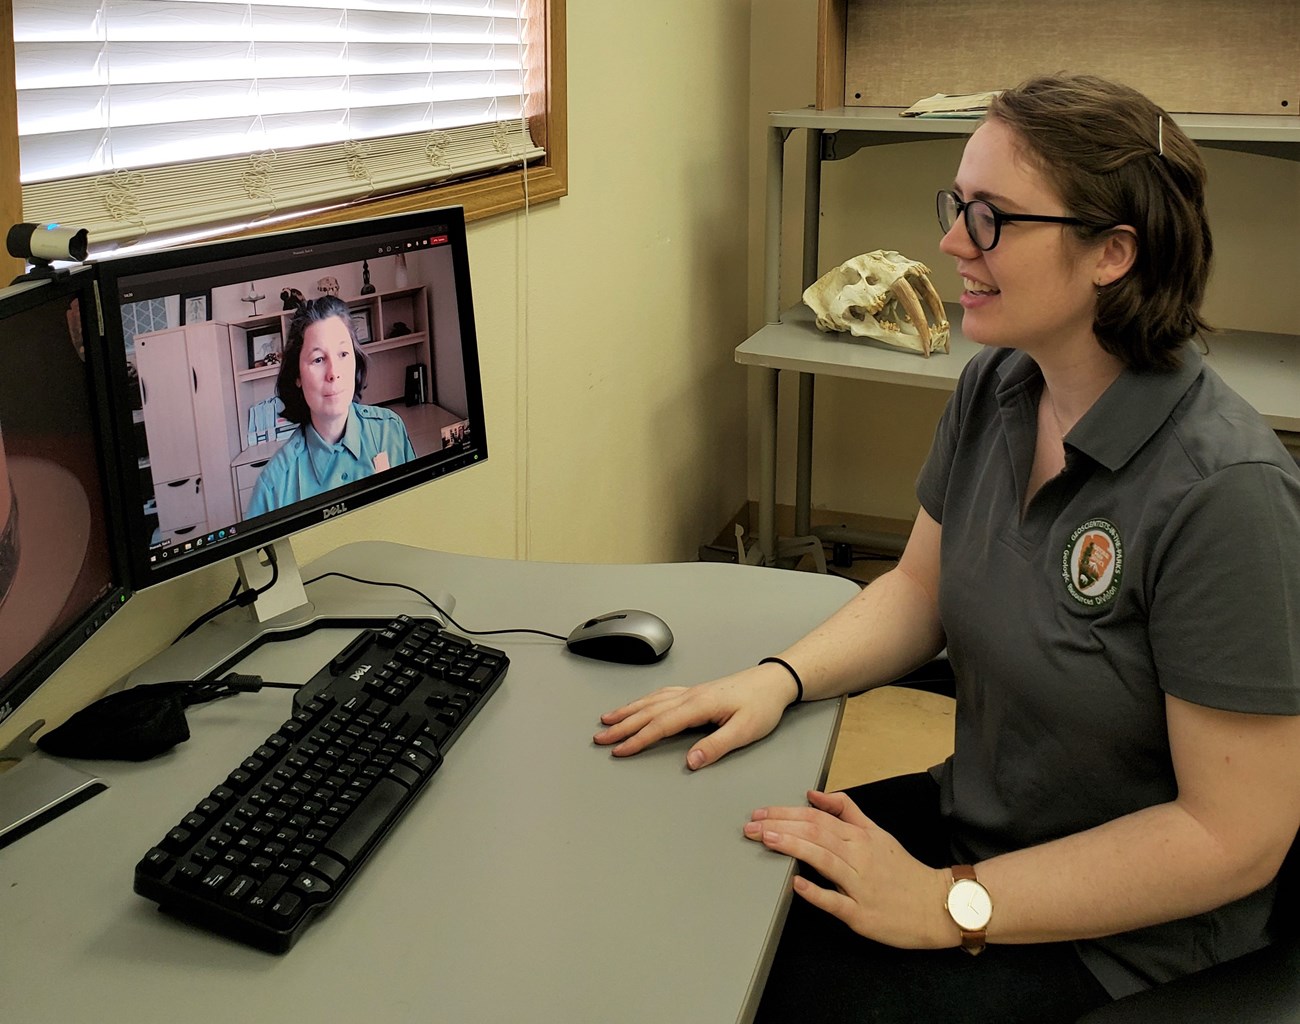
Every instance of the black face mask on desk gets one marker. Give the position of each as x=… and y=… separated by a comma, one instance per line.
x=139, y=723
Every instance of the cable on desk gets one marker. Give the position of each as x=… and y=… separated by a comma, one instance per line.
x=434, y=605
x=229, y=685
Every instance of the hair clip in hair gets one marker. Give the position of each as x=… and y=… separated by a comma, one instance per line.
x=1160, y=135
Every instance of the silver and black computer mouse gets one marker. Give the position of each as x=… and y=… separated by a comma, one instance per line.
x=627, y=636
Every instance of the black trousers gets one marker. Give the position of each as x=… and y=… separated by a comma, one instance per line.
x=824, y=971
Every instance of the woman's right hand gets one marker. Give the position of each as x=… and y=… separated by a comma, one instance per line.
x=745, y=707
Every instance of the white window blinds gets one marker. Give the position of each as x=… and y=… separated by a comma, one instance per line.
x=140, y=118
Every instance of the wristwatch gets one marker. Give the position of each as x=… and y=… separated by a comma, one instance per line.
x=970, y=907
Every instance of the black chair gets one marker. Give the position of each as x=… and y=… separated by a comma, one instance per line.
x=1259, y=988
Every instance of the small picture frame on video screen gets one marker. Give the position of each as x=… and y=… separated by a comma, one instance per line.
x=361, y=324
x=196, y=308
x=264, y=347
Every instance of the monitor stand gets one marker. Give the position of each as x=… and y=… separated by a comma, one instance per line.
x=285, y=611
x=273, y=571
x=37, y=790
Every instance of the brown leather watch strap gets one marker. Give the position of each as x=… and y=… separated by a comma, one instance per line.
x=972, y=942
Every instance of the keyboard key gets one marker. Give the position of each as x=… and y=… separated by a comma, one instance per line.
x=177, y=840
x=216, y=877
x=240, y=889
x=259, y=866
x=327, y=867
x=156, y=862
x=286, y=905
x=311, y=885
x=190, y=871
x=419, y=760
x=406, y=776
x=268, y=891
x=479, y=678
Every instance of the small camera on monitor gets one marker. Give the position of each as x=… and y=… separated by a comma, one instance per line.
x=43, y=244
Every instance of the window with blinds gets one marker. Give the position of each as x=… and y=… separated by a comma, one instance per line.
x=147, y=118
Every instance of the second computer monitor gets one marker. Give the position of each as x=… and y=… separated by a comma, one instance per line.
x=60, y=575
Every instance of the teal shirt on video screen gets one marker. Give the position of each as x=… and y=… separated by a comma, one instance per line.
x=306, y=465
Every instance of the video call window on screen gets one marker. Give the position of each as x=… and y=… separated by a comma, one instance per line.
x=273, y=377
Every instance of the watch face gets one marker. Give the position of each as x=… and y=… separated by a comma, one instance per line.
x=969, y=905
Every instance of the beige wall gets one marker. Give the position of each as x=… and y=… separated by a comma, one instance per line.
x=607, y=320
x=606, y=324
x=870, y=439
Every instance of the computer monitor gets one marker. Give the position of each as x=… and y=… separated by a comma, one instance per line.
x=60, y=573
x=239, y=398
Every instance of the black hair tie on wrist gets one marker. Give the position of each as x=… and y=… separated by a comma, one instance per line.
x=798, y=698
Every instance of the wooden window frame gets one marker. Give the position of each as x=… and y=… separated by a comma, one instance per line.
x=495, y=193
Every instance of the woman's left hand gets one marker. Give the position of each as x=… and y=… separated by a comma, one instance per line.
x=881, y=891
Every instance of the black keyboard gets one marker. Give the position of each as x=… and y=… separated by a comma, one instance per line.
x=280, y=838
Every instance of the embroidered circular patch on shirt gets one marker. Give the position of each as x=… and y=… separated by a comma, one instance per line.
x=1092, y=562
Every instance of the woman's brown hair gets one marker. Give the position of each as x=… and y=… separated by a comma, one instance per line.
x=1117, y=158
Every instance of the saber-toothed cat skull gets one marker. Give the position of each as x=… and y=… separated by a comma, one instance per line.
x=875, y=295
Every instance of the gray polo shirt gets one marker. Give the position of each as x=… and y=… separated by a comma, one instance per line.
x=1165, y=558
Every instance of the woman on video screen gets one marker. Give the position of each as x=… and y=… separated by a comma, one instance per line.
x=338, y=439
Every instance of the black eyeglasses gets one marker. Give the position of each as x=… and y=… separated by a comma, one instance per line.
x=983, y=220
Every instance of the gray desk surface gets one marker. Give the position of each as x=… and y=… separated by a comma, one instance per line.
x=536, y=879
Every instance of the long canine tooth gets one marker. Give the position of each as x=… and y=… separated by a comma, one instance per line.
x=936, y=306
x=907, y=298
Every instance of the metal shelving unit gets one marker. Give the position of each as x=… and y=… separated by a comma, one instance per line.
x=1264, y=368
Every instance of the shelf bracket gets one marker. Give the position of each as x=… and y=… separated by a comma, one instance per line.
x=839, y=144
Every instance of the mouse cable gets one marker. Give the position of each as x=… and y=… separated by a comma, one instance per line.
x=434, y=604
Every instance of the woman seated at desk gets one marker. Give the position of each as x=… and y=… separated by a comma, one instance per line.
x=338, y=439
x=1109, y=548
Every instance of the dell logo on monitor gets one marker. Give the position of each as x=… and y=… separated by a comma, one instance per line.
x=335, y=510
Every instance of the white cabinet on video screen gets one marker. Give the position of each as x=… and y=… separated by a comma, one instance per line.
x=167, y=402
x=187, y=403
